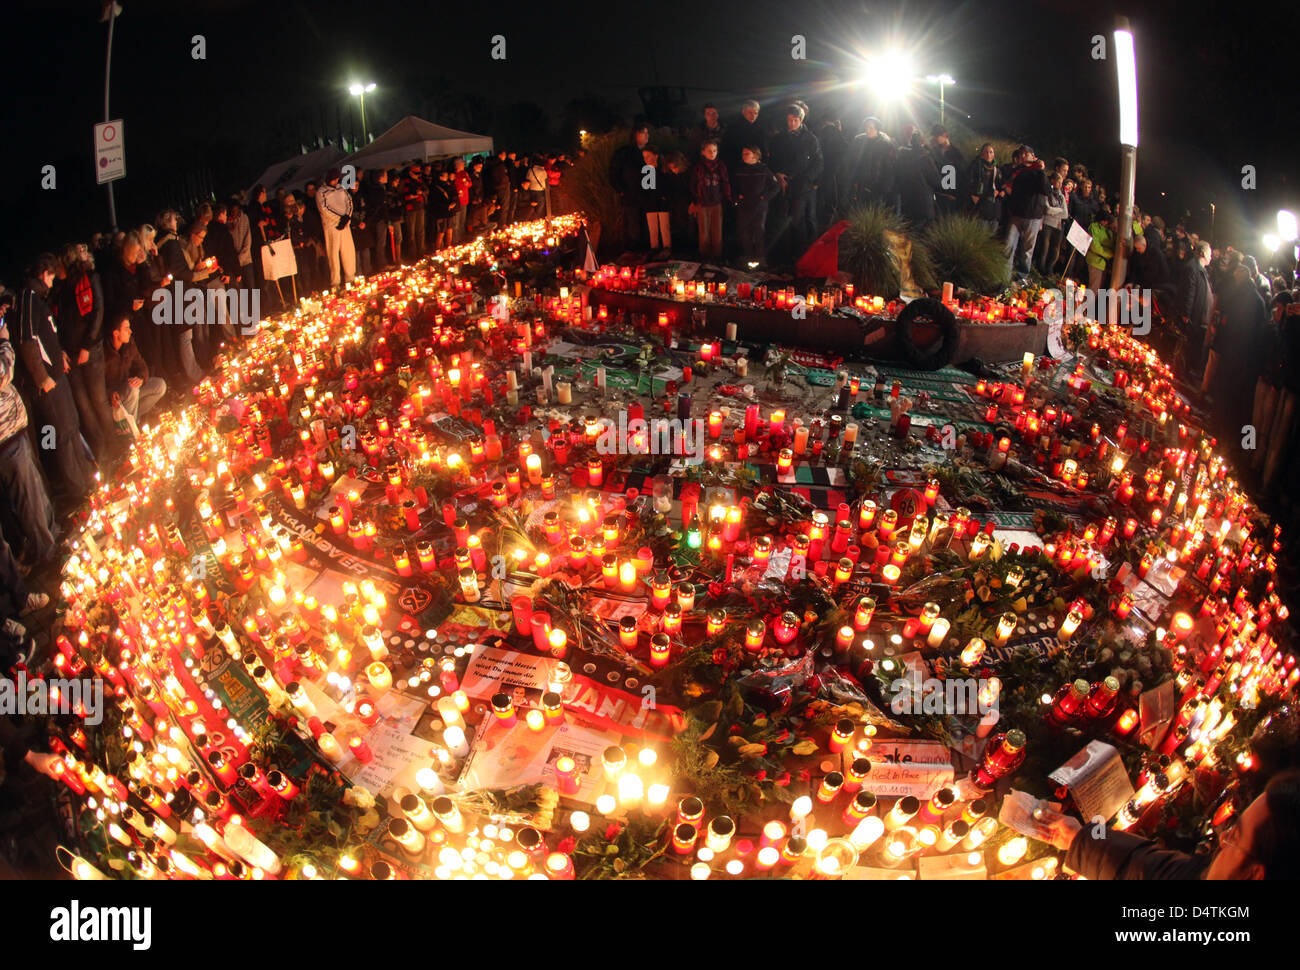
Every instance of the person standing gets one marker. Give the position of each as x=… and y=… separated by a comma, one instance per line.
x=917, y=179
x=241, y=235
x=1192, y=301
x=951, y=166
x=983, y=188
x=463, y=184
x=872, y=158
x=625, y=173
x=754, y=186
x=654, y=200
x=335, y=203
x=19, y=476
x=1102, y=250
x=1026, y=203
x=414, y=197
x=1239, y=347
x=47, y=367
x=797, y=164
x=710, y=188
x=1054, y=216
x=80, y=314
x=835, y=162
x=710, y=129
x=742, y=132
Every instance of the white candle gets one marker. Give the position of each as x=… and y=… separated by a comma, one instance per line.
x=564, y=392
x=454, y=738
x=731, y=331
x=938, y=631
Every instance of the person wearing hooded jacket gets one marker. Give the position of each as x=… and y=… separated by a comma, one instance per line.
x=335, y=204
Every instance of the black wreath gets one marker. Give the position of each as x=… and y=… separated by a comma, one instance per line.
x=930, y=311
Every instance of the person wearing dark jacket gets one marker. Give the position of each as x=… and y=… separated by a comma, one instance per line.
x=1083, y=204
x=1263, y=842
x=873, y=155
x=414, y=197
x=80, y=314
x=1192, y=300
x=983, y=188
x=625, y=171
x=1238, y=350
x=797, y=163
x=743, y=131
x=221, y=243
x=1026, y=202
x=710, y=129
x=710, y=189
x=126, y=375
x=261, y=224
x=1146, y=266
x=832, y=191
x=917, y=179
x=20, y=478
x=654, y=202
x=753, y=186
x=952, y=168
x=46, y=365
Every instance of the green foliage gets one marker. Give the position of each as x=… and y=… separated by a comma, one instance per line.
x=587, y=183
x=865, y=252
x=640, y=842
x=965, y=253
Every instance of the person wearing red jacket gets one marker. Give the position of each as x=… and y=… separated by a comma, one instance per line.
x=463, y=183
x=710, y=188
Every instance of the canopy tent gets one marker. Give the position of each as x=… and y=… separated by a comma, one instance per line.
x=296, y=172
x=414, y=139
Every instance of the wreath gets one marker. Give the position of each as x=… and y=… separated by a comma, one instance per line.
x=926, y=310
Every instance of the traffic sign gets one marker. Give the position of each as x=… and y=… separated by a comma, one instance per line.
x=110, y=151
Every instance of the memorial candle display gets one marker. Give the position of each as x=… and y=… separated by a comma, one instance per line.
x=490, y=561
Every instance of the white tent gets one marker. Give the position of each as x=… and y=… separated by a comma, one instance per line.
x=295, y=173
x=414, y=139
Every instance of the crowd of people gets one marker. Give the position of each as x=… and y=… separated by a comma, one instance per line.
x=87, y=352
x=99, y=335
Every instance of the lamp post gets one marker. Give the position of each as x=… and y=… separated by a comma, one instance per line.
x=110, y=12
x=360, y=91
x=942, y=80
x=1126, y=75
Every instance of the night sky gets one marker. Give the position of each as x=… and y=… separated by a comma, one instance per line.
x=1212, y=86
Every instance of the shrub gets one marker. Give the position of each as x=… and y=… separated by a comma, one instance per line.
x=963, y=252
x=869, y=251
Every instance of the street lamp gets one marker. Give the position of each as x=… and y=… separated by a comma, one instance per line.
x=1126, y=75
x=360, y=91
x=942, y=80
x=889, y=75
x=111, y=11
x=1271, y=241
x=1287, y=229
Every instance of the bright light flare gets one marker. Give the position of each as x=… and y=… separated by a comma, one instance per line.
x=1126, y=72
x=889, y=75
